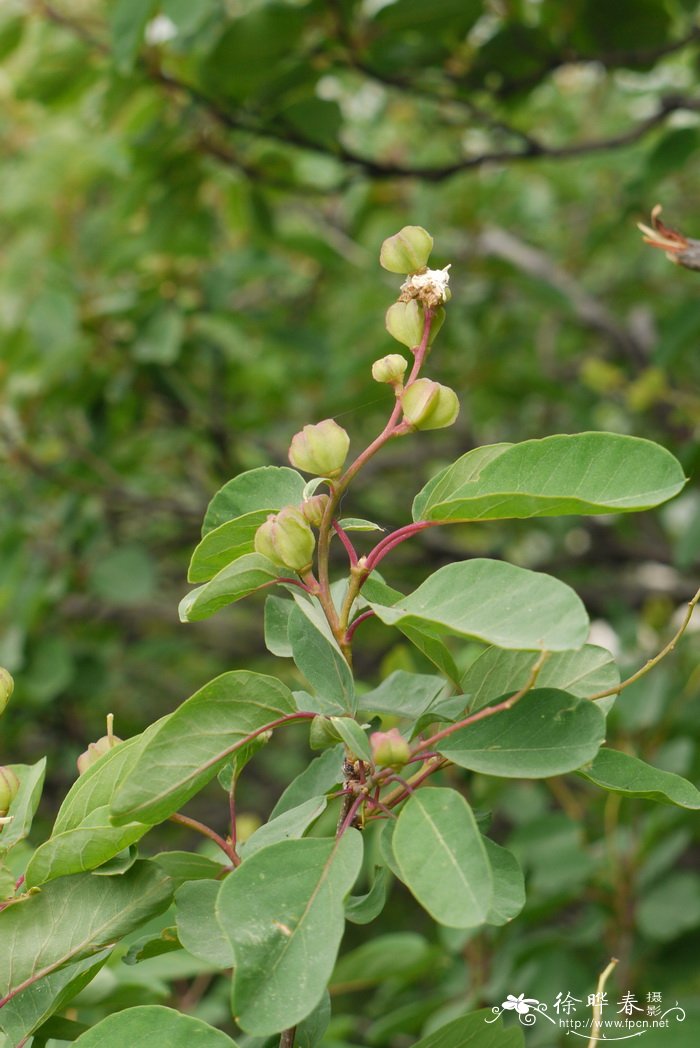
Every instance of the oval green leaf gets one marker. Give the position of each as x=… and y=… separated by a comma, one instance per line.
x=591, y=473
x=622, y=773
x=581, y=673
x=442, y=857
x=282, y=909
x=546, y=733
x=495, y=602
x=74, y=917
x=266, y=488
x=237, y=580
x=192, y=743
x=153, y=1024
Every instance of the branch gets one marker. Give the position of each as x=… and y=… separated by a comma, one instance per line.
x=649, y=665
x=532, y=148
x=502, y=244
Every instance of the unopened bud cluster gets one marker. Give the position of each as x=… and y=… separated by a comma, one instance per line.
x=287, y=540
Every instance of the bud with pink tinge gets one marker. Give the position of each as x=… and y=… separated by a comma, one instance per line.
x=389, y=748
x=407, y=251
x=9, y=784
x=429, y=405
x=96, y=750
x=286, y=539
x=320, y=449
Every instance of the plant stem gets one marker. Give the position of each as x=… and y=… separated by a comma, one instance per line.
x=395, y=539
x=206, y=831
x=356, y=622
x=393, y=428
x=649, y=665
x=488, y=711
x=287, y=1037
x=343, y=536
x=598, y=1007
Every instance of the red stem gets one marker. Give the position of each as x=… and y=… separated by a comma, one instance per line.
x=395, y=539
x=343, y=536
x=487, y=711
x=356, y=622
x=206, y=831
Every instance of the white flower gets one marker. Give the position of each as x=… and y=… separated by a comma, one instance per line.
x=520, y=1004
x=433, y=281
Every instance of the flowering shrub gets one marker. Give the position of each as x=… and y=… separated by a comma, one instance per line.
x=388, y=796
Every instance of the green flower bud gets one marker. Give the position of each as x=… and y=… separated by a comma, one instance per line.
x=323, y=733
x=96, y=750
x=389, y=748
x=320, y=449
x=314, y=508
x=407, y=251
x=428, y=405
x=391, y=368
x=7, y=686
x=286, y=539
x=9, y=784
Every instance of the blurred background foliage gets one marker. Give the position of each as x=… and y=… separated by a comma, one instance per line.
x=192, y=197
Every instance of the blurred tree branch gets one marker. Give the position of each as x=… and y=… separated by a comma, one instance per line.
x=532, y=148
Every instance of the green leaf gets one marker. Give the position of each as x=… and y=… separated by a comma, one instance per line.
x=31, y=1008
x=508, y=884
x=153, y=945
x=368, y=965
x=233, y=768
x=267, y=488
x=404, y=694
x=183, y=866
x=237, y=580
x=291, y=824
x=589, y=473
x=277, y=612
x=73, y=918
x=153, y=1024
x=128, y=20
x=225, y=544
x=546, y=733
x=476, y=1030
x=358, y=524
x=622, y=773
x=192, y=743
x=83, y=836
x=7, y=883
x=442, y=857
x=431, y=646
x=84, y=847
x=495, y=602
x=353, y=736
x=363, y=909
x=319, y=658
x=24, y=804
x=197, y=926
x=283, y=912
x=320, y=776
x=581, y=673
